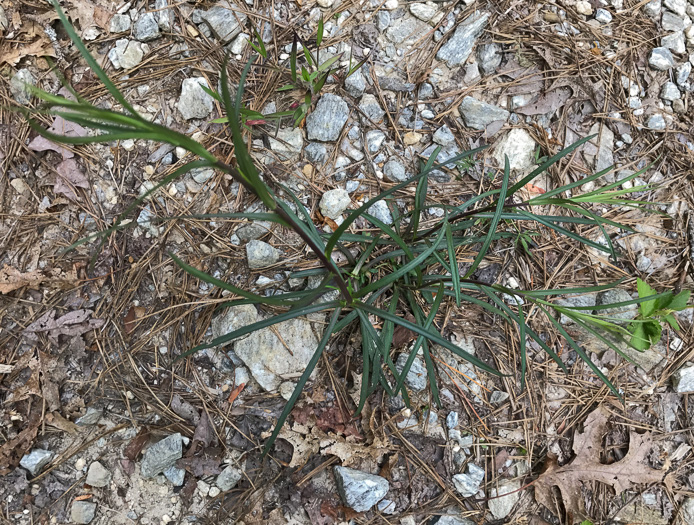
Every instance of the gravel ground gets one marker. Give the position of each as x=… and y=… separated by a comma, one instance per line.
x=100, y=424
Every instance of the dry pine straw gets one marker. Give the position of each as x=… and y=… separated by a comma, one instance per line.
x=131, y=362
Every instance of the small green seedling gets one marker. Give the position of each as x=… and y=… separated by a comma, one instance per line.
x=646, y=329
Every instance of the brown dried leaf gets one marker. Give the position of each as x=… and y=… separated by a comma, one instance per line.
x=71, y=324
x=60, y=127
x=204, y=433
x=59, y=422
x=136, y=445
x=41, y=47
x=586, y=466
x=70, y=176
x=548, y=102
x=12, y=451
x=205, y=465
x=11, y=279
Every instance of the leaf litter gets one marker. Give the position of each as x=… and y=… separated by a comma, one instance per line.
x=586, y=466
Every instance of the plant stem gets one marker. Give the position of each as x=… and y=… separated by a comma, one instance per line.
x=328, y=263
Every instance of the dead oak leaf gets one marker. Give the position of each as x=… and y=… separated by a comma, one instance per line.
x=41, y=47
x=60, y=126
x=586, y=466
x=11, y=279
x=70, y=177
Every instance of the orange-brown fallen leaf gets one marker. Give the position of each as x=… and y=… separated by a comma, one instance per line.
x=11, y=279
x=235, y=393
x=83, y=497
x=586, y=466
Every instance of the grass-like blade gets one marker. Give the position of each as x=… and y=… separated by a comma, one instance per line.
x=301, y=383
x=494, y=222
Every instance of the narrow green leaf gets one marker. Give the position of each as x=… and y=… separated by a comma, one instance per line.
x=495, y=220
x=301, y=383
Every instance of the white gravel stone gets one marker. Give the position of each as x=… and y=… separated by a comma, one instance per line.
x=502, y=506
x=260, y=254
x=97, y=475
x=194, y=101
x=656, y=122
x=584, y=8
x=603, y=16
x=359, y=490
x=468, y=484
x=380, y=211
x=669, y=92
x=674, y=42
x=126, y=54
x=334, y=202
x=661, y=59
x=683, y=379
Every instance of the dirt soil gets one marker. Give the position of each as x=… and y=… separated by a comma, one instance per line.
x=89, y=337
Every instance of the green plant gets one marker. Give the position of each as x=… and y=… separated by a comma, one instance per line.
x=401, y=269
x=646, y=329
x=306, y=73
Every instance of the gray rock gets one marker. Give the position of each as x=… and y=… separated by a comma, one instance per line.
x=288, y=143
x=656, y=122
x=605, y=157
x=175, y=475
x=669, y=92
x=120, y=24
x=253, y=230
x=661, y=59
x=92, y=417
x=452, y=419
x=454, y=520
x=360, y=491
x=374, y=140
x=394, y=171
x=416, y=378
x=478, y=115
x=671, y=22
x=687, y=511
x=386, y=506
x=35, y=460
x=228, y=478
x=162, y=455
x=260, y=254
x=355, y=84
x=20, y=86
x=83, y=512
x=396, y=84
x=674, y=42
x=677, y=6
x=380, y=211
x=233, y=318
x=271, y=360
x=653, y=8
x=616, y=295
x=326, y=122
x=444, y=156
x=194, y=102
x=404, y=29
x=603, y=16
x=458, y=48
x=126, y=54
x=683, y=73
x=469, y=484
x=224, y=23
x=371, y=108
x=146, y=28
x=683, y=379
x=424, y=12
x=202, y=175
x=498, y=397
x=316, y=152
x=334, y=202
x=163, y=15
x=489, y=58
x=98, y=476
x=239, y=44
x=382, y=20
x=444, y=136
x=502, y=506
x=426, y=91
x=519, y=146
